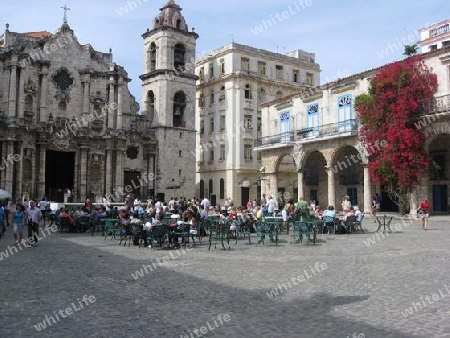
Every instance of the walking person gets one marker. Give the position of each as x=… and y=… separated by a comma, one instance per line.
x=374, y=210
x=7, y=209
x=424, y=213
x=19, y=221
x=2, y=221
x=33, y=218
x=42, y=207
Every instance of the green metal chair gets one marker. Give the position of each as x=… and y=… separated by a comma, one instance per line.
x=219, y=232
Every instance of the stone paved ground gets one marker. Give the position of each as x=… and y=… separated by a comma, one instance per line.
x=357, y=290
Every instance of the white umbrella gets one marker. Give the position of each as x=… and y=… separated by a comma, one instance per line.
x=4, y=195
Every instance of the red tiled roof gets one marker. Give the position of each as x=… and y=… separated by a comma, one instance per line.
x=38, y=35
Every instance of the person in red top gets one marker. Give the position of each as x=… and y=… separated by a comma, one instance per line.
x=425, y=207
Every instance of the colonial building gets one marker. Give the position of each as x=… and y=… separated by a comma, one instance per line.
x=168, y=100
x=435, y=37
x=68, y=120
x=320, y=157
x=233, y=82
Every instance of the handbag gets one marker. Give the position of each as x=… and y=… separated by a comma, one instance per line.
x=421, y=212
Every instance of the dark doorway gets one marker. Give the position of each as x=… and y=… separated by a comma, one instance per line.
x=387, y=204
x=245, y=196
x=440, y=197
x=131, y=183
x=59, y=174
x=353, y=194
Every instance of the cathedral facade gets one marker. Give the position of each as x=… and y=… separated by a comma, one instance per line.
x=69, y=122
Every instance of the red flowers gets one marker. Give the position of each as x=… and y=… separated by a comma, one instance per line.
x=387, y=113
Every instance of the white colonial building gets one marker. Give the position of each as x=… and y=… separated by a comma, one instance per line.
x=320, y=156
x=435, y=37
x=233, y=82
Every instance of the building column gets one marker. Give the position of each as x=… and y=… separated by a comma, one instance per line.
x=85, y=79
x=42, y=104
x=118, y=184
x=18, y=165
x=300, y=185
x=21, y=101
x=331, y=187
x=119, y=103
x=8, y=166
x=367, y=191
x=108, y=172
x=83, y=173
x=111, y=102
x=12, y=98
x=41, y=171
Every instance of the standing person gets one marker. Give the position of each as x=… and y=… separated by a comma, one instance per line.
x=374, y=210
x=270, y=206
x=2, y=221
x=377, y=202
x=34, y=217
x=7, y=209
x=42, y=206
x=346, y=204
x=19, y=221
x=424, y=212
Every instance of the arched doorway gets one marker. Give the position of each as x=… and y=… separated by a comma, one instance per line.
x=287, y=175
x=315, y=179
x=439, y=174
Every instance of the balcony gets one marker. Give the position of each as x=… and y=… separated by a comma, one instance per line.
x=282, y=138
x=331, y=129
x=435, y=105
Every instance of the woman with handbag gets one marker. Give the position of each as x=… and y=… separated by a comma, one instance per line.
x=424, y=213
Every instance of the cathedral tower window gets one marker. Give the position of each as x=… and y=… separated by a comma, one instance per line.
x=179, y=55
x=152, y=57
x=179, y=104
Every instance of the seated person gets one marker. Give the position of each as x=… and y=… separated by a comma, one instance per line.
x=203, y=212
x=64, y=216
x=80, y=212
x=259, y=214
x=318, y=213
x=359, y=215
x=351, y=212
x=329, y=216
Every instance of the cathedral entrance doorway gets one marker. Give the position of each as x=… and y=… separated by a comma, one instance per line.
x=59, y=174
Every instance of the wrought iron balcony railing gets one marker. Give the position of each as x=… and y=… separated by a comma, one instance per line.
x=275, y=139
x=328, y=129
x=435, y=105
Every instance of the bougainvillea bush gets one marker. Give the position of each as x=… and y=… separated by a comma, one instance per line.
x=387, y=113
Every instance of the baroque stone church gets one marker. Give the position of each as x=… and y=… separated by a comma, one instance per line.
x=68, y=120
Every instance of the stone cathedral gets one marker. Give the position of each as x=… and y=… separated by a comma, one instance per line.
x=68, y=120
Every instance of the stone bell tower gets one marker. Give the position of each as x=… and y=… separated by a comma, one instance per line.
x=168, y=100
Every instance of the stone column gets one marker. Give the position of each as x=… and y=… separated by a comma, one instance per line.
x=43, y=105
x=42, y=145
x=12, y=98
x=85, y=79
x=108, y=172
x=118, y=184
x=119, y=103
x=367, y=191
x=111, y=102
x=21, y=101
x=300, y=185
x=83, y=173
x=8, y=166
x=19, y=169
x=331, y=187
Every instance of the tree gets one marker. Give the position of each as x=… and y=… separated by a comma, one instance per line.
x=410, y=50
x=387, y=114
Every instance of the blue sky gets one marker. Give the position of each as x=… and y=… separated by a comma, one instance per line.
x=347, y=36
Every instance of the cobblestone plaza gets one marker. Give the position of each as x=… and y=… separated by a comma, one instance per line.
x=359, y=285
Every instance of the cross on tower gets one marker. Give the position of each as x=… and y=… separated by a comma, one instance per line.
x=65, y=12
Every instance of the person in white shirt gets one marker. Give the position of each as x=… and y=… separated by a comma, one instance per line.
x=42, y=206
x=206, y=203
x=270, y=206
x=158, y=207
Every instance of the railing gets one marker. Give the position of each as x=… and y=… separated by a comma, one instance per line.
x=435, y=105
x=275, y=139
x=328, y=129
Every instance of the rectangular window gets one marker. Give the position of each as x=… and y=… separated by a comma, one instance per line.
x=245, y=64
x=258, y=156
x=279, y=72
x=261, y=68
x=259, y=124
x=248, y=152
x=211, y=70
x=211, y=124
x=312, y=120
x=202, y=127
x=222, y=152
x=222, y=66
x=211, y=155
x=211, y=98
x=309, y=79
x=295, y=76
x=285, y=126
x=201, y=74
x=248, y=122
x=345, y=113
x=222, y=122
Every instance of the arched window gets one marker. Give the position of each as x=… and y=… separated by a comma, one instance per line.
x=261, y=96
x=179, y=54
x=248, y=92
x=179, y=104
x=222, y=189
x=202, y=189
x=150, y=105
x=152, y=56
x=211, y=185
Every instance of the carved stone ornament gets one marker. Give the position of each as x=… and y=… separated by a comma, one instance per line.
x=60, y=142
x=132, y=152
